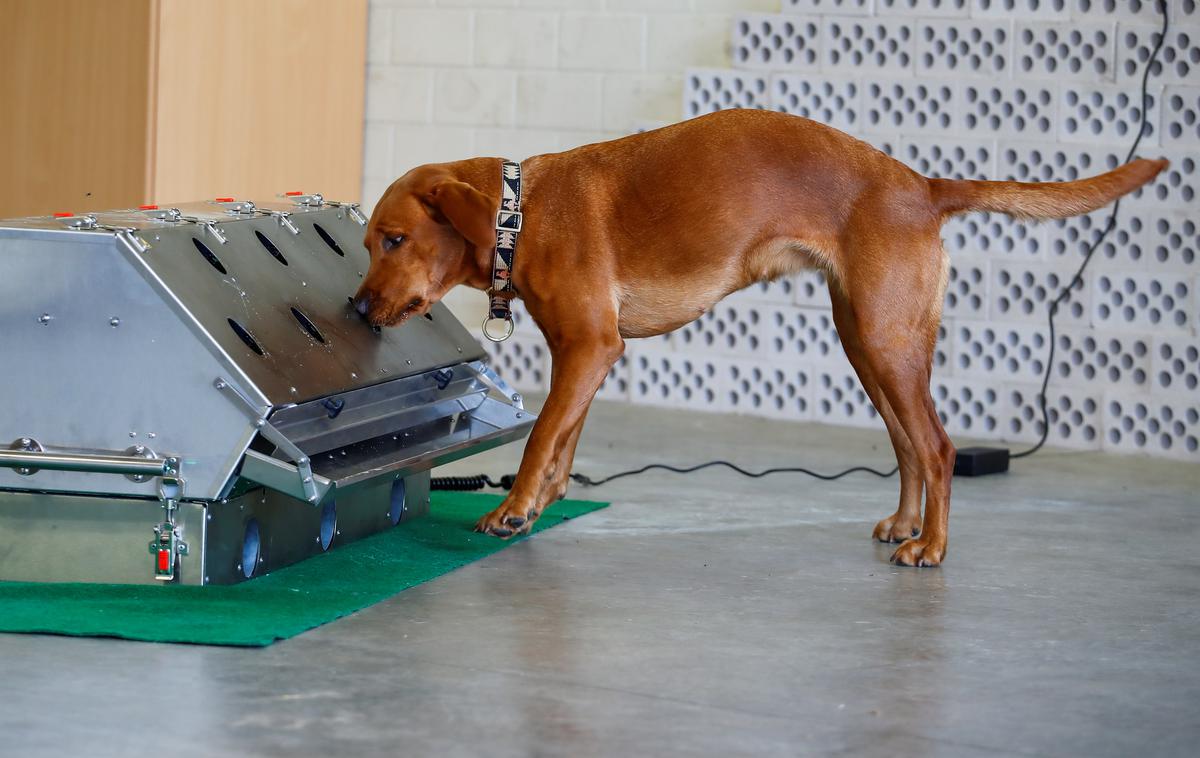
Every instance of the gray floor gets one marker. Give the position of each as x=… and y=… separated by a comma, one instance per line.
x=707, y=615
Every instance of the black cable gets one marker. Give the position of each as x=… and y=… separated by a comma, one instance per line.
x=480, y=481
x=586, y=480
x=1065, y=294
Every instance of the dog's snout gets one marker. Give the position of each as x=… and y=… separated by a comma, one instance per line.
x=362, y=304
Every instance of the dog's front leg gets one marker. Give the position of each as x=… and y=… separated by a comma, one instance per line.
x=580, y=365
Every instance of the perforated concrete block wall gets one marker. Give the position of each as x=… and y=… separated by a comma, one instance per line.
x=1029, y=90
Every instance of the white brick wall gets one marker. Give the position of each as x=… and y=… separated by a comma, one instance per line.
x=452, y=79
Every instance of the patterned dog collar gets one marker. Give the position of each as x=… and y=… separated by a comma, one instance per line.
x=508, y=226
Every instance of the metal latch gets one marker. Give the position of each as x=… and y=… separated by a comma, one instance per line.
x=168, y=546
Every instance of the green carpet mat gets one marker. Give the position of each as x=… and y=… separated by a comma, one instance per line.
x=282, y=604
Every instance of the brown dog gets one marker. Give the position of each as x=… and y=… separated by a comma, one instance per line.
x=641, y=235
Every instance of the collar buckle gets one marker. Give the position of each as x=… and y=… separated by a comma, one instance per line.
x=509, y=221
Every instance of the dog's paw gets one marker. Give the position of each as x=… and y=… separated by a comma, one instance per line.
x=919, y=552
x=507, y=521
x=895, y=529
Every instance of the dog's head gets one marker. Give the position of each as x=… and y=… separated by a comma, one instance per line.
x=430, y=231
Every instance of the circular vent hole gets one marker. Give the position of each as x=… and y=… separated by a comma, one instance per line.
x=245, y=336
x=251, y=549
x=270, y=247
x=307, y=325
x=209, y=256
x=396, y=509
x=328, y=524
x=333, y=245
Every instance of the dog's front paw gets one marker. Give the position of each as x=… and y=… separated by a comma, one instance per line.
x=919, y=552
x=895, y=529
x=509, y=520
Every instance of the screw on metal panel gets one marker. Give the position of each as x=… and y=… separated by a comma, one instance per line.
x=409, y=362
x=260, y=423
x=338, y=533
x=151, y=435
x=44, y=319
x=520, y=415
x=26, y=442
x=302, y=460
x=308, y=480
x=219, y=384
x=114, y=322
x=353, y=375
x=293, y=389
x=460, y=350
x=318, y=540
x=133, y=434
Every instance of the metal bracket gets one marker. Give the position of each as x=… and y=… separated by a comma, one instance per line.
x=284, y=219
x=259, y=467
x=128, y=235
x=208, y=226
x=352, y=209
x=493, y=381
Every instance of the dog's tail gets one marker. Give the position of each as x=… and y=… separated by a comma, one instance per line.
x=1041, y=200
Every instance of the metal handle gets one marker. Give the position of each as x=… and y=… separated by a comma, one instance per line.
x=96, y=464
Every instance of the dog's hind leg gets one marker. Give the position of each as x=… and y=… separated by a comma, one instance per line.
x=905, y=523
x=894, y=285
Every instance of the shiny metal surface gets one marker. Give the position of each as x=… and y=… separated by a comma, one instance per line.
x=219, y=335
x=283, y=477
x=443, y=439
x=76, y=381
x=77, y=538
x=83, y=463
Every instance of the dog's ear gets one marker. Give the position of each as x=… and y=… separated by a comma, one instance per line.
x=466, y=209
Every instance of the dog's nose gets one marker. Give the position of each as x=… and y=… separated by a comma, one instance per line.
x=361, y=304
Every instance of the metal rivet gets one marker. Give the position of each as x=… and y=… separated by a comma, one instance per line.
x=114, y=322
x=353, y=375
x=219, y=384
x=260, y=423
x=151, y=435
x=133, y=434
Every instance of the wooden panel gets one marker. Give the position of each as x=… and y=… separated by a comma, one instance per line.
x=74, y=78
x=260, y=97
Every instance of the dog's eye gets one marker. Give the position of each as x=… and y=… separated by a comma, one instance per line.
x=392, y=242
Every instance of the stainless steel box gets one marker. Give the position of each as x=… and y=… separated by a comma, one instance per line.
x=188, y=396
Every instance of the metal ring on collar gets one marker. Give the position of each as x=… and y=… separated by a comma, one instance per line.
x=507, y=332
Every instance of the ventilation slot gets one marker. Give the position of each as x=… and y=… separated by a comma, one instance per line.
x=245, y=336
x=307, y=325
x=333, y=245
x=209, y=256
x=270, y=246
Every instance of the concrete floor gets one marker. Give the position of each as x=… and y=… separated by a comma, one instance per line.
x=707, y=615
